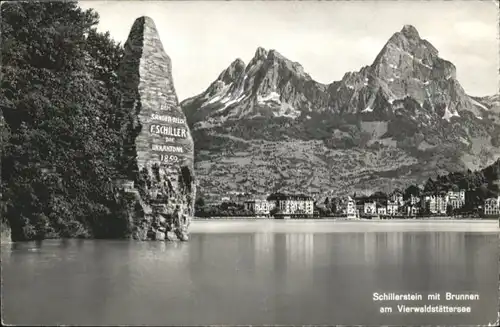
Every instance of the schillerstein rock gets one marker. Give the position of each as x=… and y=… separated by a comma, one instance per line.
x=159, y=149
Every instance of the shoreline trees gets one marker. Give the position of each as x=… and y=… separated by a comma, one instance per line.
x=59, y=96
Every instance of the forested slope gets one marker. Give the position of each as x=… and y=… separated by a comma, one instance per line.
x=61, y=141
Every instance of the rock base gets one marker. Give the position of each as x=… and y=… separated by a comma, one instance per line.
x=159, y=214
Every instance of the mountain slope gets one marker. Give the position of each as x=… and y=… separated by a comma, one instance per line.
x=270, y=86
x=269, y=126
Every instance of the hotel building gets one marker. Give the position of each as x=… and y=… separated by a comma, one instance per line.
x=456, y=199
x=259, y=207
x=492, y=206
x=392, y=208
x=370, y=208
x=414, y=199
x=435, y=204
x=412, y=210
x=397, y=198
x=349, y=208
x=292, y=205
x=381, y=210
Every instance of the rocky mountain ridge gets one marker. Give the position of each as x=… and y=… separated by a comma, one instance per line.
x=408, y=103
x=272, y=85
x=269, y=86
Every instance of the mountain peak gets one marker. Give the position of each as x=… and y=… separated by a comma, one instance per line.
x=238, y=63
x=407, y=44
x=273, y=54
x=235, y=69
x=410, y=32
x=261, y=53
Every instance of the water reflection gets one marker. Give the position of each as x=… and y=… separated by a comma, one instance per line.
x=240, y=278
x=263, y=245
x=299, y=249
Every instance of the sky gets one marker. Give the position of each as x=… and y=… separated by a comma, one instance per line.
x=328, y=38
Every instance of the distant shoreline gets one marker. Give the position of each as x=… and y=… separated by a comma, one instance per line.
x=320, y=226
x=440, y=219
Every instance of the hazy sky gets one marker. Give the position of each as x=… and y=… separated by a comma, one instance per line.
x=329, y=38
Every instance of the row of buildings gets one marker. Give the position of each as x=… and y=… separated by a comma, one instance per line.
x=287, y=206
x=437, y=204
x=282, y=206
x=396, y=205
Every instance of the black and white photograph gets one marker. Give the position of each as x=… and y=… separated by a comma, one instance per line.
x=199, y=163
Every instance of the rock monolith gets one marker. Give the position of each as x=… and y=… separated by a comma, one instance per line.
x=159, y=147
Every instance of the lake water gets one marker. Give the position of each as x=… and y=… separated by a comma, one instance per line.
x=256, y=272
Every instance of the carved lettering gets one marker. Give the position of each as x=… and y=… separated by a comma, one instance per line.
x=165, y=158
x=163, y=107
x=167, y=148
x=168, y=131
x=168, y=119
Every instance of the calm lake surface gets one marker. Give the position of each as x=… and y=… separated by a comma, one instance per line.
x=256, y=272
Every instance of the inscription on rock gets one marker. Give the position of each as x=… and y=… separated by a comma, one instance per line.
x=168, y=149
x=164, y=138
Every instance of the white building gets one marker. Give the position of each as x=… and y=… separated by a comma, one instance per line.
x=456, y=199
x=436, y=204
x=492, y=206
x=259, y=206
x=370, y=208
x=414, y=199
x=397, y=198
x=412, y=210
x=392, y=208
x=292, y=204
x=349, y=208
x=382, y=210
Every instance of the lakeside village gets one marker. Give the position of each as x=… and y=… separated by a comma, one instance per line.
x=376, y=206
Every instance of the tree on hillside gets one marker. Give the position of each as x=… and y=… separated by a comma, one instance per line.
x=411, y=190
x=199, y=207
x=495, y=187
x=430, y=187
x=492, y=172
x=200, y=202
x=424, y=212
x=483, y=192
x=333, y=207
x=58, y=100
x=274, y=211
x=379, y=195
x=449, y=210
